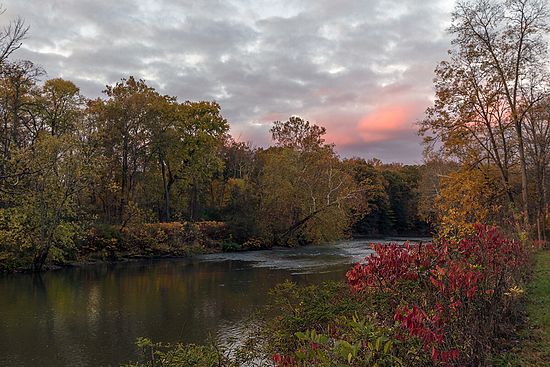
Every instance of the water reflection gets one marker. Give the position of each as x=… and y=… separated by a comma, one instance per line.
x=91, y=316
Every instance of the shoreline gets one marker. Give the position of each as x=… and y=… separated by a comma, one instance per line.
x=189, y=252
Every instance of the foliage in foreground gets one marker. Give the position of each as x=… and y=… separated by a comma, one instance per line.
x=179, y=355
x=436, y=304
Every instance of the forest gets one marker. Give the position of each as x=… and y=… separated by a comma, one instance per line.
x=80, y=175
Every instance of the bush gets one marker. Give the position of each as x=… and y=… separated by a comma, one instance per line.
x=231, y=247
x=255, y=244
x=447, y=304
x=216, y=231
x=153, y=239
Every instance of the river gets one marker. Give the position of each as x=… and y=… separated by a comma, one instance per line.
x=92, y=315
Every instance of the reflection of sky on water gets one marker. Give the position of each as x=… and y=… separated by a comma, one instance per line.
x=92, y=315
x=303, y=260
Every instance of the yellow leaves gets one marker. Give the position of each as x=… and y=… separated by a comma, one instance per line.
x=514, y=292
x=59, y=87
x=113, y=187
x=466, y=197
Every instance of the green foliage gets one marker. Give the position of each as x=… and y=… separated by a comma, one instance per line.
x=390, y=196
x=42, y=206
x=176, y=355
x=361, y=344
x=231, y=247
x=306, y=192
x=293, y=309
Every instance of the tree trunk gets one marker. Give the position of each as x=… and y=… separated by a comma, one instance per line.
x=124, y=183
x=165, y=188
x=523, y=164
x=193, y=204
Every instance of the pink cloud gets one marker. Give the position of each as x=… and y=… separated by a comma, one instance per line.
x=387, y=121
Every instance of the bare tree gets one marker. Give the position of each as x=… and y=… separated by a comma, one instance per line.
x=11, y=36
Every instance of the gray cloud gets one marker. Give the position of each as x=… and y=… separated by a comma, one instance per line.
x=362, y=68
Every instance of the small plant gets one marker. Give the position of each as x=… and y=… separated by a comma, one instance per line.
x=231, y=247
x=177, y=355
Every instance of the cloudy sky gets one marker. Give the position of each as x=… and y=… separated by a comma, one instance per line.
x=361, y=68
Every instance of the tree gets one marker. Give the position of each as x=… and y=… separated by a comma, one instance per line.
x=123, y=121
x=496, y=75
x=298, y=134
x=17, y=89
x=11, y=37
x=468, y=197
x=373, y=212
x=537, y=135
x=40, y=195
x=194, y=160
x=433, y=172
x=305, y=192
x=58, y=108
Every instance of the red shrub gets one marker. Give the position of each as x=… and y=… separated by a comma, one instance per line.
x=446, y=292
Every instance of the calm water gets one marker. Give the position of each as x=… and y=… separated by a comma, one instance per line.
x=91, y=316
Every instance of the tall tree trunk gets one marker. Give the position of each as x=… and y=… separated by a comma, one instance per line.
x=194, y=201
x=15, y=116
x=523, y=164
x=124, y=183
x=165, y=188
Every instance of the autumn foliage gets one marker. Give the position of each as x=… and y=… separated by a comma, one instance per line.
x=448, y=300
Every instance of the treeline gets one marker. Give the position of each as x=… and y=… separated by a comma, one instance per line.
x=70, y=164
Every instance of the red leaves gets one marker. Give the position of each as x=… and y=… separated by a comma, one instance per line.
x=390, y=264
x=418, y=323
x=445, y=357
x=448, y=277
x=283, y=361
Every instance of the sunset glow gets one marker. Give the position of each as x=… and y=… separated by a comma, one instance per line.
x=351, y=66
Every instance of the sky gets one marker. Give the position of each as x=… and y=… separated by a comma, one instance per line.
x=361, y=68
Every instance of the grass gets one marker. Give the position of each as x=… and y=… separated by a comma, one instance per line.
x=537, y=347
x=534, y=346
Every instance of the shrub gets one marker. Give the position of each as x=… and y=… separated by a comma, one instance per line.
x=445, y=305
x=153, y=239
x=213, y=230
x=255, y=244
x=452, y=296
x=177, y=355
x=231, y=247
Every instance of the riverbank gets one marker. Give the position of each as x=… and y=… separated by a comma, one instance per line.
x=110, y=243
x=104, y=243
